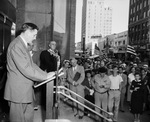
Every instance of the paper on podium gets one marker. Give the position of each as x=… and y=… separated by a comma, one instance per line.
x=60, y=73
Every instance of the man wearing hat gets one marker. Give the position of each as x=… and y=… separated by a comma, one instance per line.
x=101, y=84
x=75, y=78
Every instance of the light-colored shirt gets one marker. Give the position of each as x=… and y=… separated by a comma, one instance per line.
x=115, y=81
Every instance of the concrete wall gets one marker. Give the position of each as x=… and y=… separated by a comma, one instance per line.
x=39, y=12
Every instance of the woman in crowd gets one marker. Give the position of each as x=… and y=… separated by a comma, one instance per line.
x=88, y=91
x=137, y=97
x=131, y=77
x=63, y=78
x=65, y=68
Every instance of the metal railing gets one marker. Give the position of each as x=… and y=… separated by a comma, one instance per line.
x=60, y=91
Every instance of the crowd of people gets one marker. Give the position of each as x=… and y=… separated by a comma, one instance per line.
x=110, y=86
x=105, y=83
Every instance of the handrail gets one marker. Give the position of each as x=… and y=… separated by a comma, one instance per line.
x=108, y=119
x=109, y=113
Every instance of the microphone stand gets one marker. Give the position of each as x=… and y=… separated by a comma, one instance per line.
x=55, y=108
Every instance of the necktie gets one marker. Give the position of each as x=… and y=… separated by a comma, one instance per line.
x=29, y=47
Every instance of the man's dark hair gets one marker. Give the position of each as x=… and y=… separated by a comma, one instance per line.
x=120, y=67
x=30, y=26
x=114, y=66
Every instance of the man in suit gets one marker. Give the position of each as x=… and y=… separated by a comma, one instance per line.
x=75, y=85
x=20, y=76
x=122, y=88
x=49, y=61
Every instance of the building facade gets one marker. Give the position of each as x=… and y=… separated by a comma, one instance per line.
x=138, y=27
x=96, y=21
x=107, y=21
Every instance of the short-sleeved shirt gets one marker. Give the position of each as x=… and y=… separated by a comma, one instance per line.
x=102, y=81
x=115, y=81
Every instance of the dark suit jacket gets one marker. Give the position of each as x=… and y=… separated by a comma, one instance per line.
x=21, y=73
x=48, y=62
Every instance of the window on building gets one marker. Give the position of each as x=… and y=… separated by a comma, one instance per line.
x=130, y=19
x=131, y=2
x=134, y=1
x=131, y=11
x=133, y=19
x=140, y=5
x=137, y=18
x=137, y=7
x=124, y=42
x=119, y=43
x=144, y=14
x=133, y=29
x=145, y=3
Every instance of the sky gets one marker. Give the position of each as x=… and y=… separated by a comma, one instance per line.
x=120, y=14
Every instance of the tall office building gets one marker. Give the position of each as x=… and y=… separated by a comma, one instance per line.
x=107, y=21
x=138, y=26
x=96, y=21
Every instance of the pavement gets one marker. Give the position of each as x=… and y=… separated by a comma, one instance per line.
x=66, y=115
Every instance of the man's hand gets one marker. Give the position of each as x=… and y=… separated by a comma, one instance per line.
x=136, y=88
x=91, y=91
x=50, y=75
x=75, y=84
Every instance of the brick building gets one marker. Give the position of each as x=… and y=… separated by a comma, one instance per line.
x=138, y=27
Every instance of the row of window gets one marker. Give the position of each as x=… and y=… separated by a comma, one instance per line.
x=138, y=38
x=134, y=1
x=138, y=17
x=138, y=7
x=139, y=27
x=120, y=43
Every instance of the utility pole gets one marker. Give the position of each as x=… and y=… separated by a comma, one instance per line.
x=83, y=46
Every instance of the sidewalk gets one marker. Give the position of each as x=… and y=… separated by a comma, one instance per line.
x=67, y=113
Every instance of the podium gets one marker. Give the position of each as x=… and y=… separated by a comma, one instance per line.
x=49, y=97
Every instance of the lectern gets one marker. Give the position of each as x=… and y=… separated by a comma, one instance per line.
x=49, y=97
